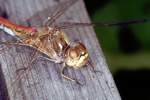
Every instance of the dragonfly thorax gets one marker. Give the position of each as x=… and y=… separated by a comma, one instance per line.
x=62, y=50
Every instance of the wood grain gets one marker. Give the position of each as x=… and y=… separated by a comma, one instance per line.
x=43, y=81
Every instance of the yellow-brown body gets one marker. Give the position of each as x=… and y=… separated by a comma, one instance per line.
x=52, y=42
x=56, y=46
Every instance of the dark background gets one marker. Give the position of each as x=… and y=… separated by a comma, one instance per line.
x=126, y=48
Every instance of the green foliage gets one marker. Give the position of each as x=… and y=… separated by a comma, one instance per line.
x=119, y=10
x=107, y=36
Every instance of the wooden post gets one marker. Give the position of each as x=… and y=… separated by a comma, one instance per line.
x=43, y=81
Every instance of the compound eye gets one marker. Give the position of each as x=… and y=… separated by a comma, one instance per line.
x=73, y=54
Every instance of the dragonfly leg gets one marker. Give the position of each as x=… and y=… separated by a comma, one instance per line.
x=67, y=77
x=64, y=76
x=7, y=46
x=21, y=69
x=46, y=58
x=51, y=60
x=28, y=67
x=93, y=67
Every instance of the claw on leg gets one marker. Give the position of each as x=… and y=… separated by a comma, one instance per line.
x=20, y=69
x=67, y=77
x=93, y=67
x=64, y=76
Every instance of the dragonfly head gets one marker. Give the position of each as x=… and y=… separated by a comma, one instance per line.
x=76, y=55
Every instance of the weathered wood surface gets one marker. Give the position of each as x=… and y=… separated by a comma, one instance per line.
x=44, y=82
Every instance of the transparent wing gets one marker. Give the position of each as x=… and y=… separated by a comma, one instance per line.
x=49, y=15
x=65, y=25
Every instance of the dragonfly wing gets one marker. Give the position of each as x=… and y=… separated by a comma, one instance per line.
x=52, y=12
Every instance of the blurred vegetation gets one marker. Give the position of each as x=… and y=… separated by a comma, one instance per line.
x=128, y=48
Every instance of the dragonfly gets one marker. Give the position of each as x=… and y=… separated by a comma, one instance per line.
x=53, y=42
x=50, y=40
